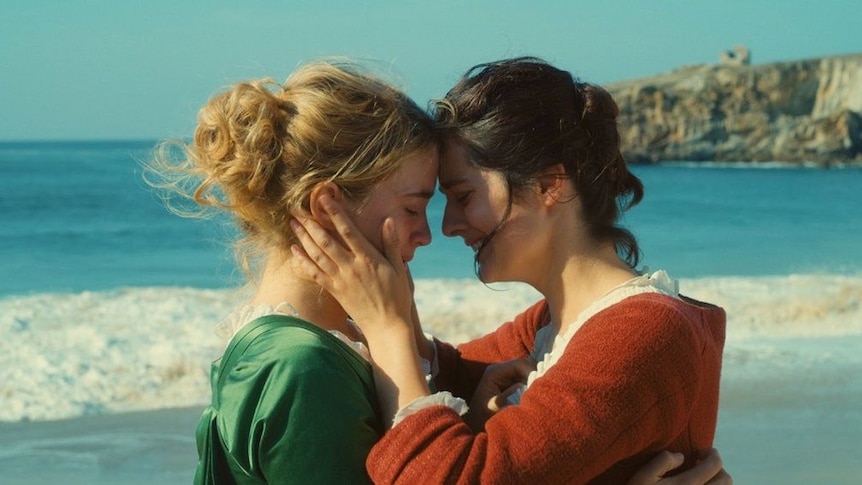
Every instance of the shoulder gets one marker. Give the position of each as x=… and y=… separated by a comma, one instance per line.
x=645, y=338
x=290, y=392
x=535, y=316
x=529, y=322
x=280, y=333
x=661, y=309
x=274, y=363
x=655, y=320
x=291, y=348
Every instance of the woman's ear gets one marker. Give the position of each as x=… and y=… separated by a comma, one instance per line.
x=554, y=185
x=323, y=189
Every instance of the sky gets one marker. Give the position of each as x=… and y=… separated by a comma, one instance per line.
x=140, y=70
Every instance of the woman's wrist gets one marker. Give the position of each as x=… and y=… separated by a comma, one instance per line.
x=399, y=376
x=387, y=331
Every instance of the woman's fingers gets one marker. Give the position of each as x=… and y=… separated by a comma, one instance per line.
x=392, y=247
x=318, y=245
x=302, y=264
x=344, y=226
x=656, y=468
x=501, y=400
x=410, y=281
x=708, y=470
x=722, y=478
x=524, y=366
x=711, y=465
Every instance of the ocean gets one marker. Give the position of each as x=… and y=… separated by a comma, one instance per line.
x=79, y=217
x=108, y=301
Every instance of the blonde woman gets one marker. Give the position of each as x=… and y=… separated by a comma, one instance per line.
x=293, y=395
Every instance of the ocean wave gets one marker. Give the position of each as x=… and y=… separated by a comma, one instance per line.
x=74, y=354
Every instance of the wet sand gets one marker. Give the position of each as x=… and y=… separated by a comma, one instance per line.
x=149, y=447
x=790, y=411
x=777, y=439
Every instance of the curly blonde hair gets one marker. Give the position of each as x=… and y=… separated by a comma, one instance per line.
x=260, y=147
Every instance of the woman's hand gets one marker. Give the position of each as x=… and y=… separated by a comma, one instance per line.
x=708, y=471
x=423, y=343
x=375, y=290
x=498, y=382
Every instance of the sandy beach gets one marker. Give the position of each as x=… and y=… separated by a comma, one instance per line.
x=759, y=446
x=793, y=433
x=789, y=412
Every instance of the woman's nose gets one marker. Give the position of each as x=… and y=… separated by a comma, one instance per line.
x=423, y=235
x=451, y=222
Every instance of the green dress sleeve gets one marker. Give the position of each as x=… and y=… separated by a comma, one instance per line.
x=295, y=406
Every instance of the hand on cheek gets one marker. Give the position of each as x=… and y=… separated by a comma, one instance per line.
x=374, y=289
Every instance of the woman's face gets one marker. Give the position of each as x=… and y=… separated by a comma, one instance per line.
x=403, y=197
x=476, y=202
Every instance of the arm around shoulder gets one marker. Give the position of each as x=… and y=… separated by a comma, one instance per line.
x=627, y=383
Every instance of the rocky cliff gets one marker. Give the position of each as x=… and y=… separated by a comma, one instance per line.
x=801, y=111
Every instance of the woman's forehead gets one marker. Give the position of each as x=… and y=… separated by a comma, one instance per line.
x=455, y=166
x=416, y=176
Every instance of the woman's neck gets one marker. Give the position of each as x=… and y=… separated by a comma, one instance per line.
x=579, y=279
x=577, y=270
x=279, y=284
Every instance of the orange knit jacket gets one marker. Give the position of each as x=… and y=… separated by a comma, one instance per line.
x=638, y=377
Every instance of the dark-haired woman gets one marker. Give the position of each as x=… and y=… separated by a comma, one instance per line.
x=627, y=366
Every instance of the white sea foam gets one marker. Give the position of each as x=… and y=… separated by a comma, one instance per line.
x=66, y=355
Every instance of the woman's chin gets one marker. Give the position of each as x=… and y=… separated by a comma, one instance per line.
x=494, y=274
x=481, y=273
x=487, y=274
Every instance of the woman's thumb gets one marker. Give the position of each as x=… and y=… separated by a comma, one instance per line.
x=391, y=244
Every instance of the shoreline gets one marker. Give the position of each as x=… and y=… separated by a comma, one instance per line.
x=789, y=413
x=761, y=440
x=142, y=447
x=149, y=348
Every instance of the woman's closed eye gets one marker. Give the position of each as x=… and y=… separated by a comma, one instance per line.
x=415, y=210
x=463, y=198
x=459, y=196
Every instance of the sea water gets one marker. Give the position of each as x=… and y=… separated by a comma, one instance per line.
x=108, y=301
x=79, y=217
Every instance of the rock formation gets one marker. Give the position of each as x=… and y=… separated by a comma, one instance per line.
x=800, y=111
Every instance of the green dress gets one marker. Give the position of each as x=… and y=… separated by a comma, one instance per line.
x=291, y=403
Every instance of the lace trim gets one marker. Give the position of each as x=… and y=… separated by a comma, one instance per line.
x=242, y=316
x=442, y=398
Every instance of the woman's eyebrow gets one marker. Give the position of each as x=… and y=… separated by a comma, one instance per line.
x=451, y=183
x=419, y=194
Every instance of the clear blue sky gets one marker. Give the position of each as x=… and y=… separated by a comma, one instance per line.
x=124, y=69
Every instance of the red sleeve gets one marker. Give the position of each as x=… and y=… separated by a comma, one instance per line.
x=461, y=368
x=625, y=387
